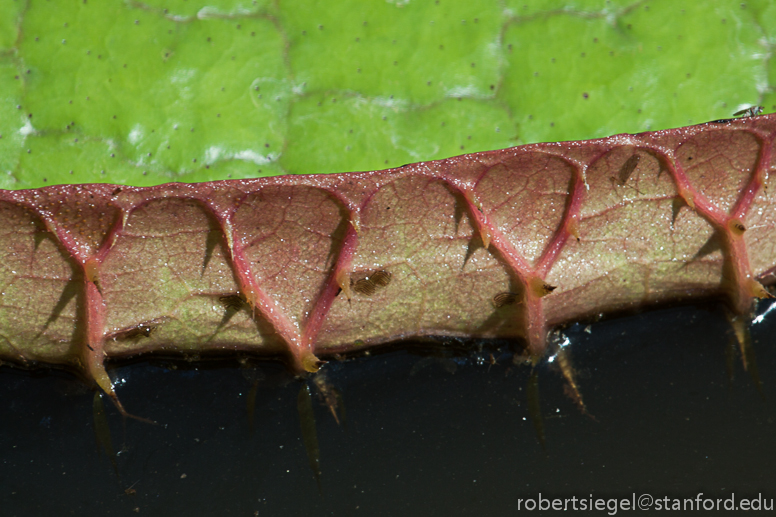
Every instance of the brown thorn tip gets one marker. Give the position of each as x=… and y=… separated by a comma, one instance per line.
x=757, y=290
x=310, y=363
x=573, y=228
x=343, y=281
x=540, y=288
x=736, y=227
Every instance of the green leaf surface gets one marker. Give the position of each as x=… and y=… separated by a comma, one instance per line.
x=150, y=92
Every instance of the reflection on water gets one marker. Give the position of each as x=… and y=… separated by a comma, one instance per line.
x=420, y=440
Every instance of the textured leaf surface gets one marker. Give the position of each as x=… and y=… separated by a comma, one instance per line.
x=147, y=92
x=497, y=244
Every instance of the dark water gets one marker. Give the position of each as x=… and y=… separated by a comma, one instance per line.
x=419, y=440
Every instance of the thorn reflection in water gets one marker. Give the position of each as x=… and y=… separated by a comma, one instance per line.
x=102, y=430
x=330, y=396
x=730, y=356
x=563, y=359
x=446, y=363
x=534, y=408
x=740, y=327
x=254, y=376
x=304, y=405
x=250, y=402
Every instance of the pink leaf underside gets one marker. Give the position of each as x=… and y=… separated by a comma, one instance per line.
x=501, y=244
